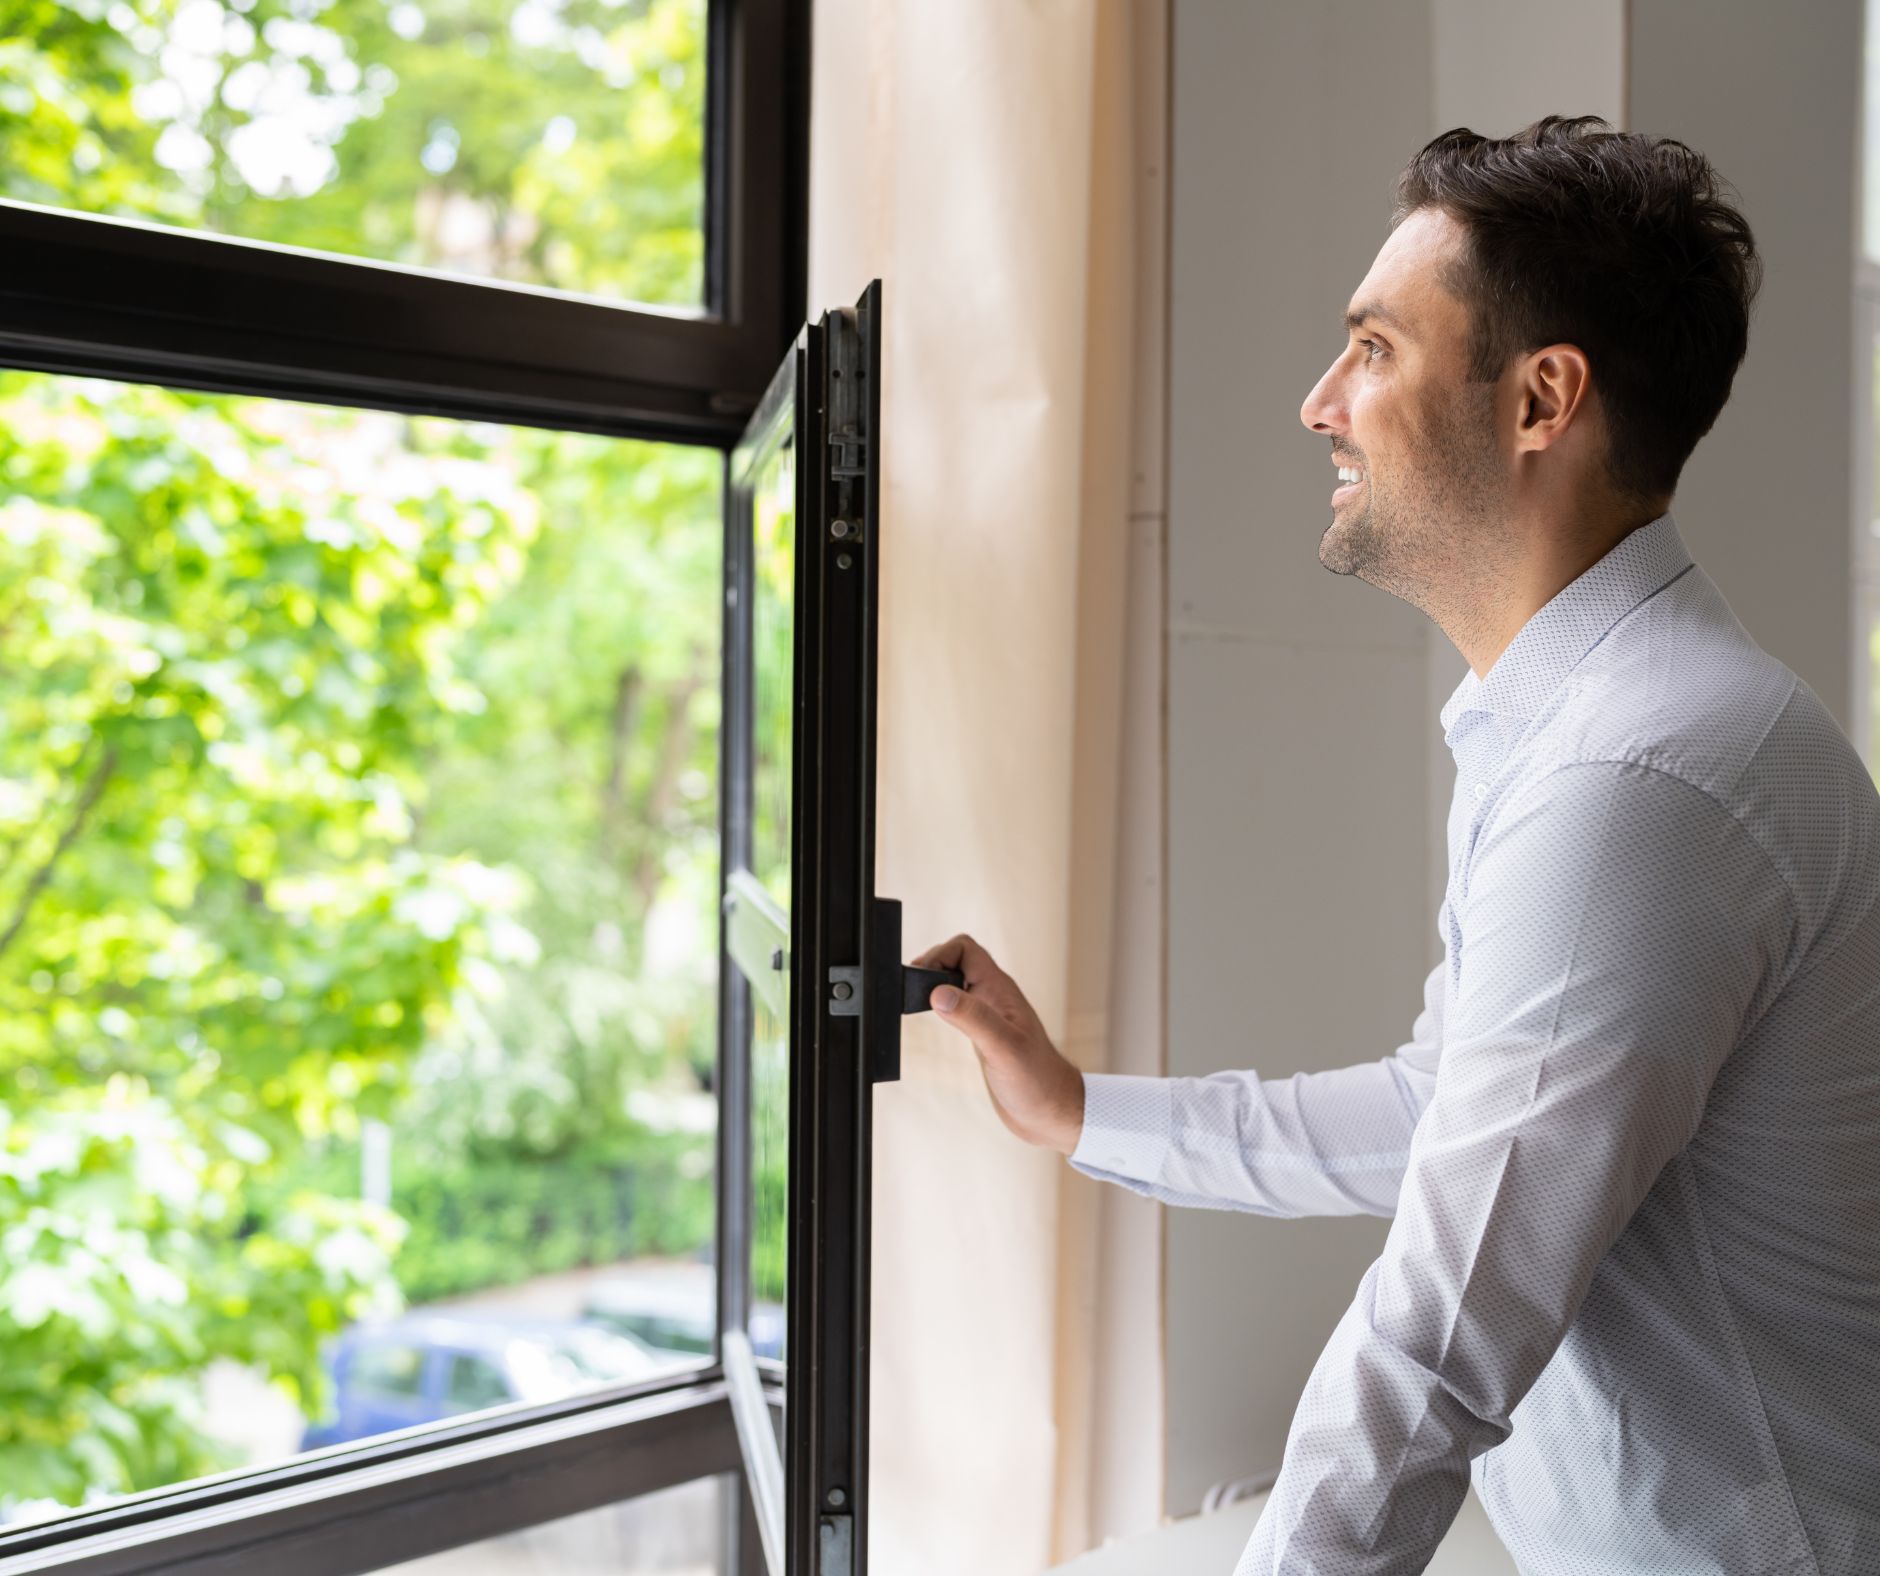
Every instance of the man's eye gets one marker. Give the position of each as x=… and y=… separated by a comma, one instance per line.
x=1374, y=350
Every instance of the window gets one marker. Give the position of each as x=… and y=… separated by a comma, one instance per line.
x=549, y=142
x=1866, y=523
x=474, y=1383
x=315, y=820
x=815, y=988
x=390, y=1372
x=679, y=1531
x=369, y=371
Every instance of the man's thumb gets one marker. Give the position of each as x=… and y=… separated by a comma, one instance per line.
x=965, y=1014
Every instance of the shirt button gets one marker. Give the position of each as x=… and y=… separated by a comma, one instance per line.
x=1481, y=790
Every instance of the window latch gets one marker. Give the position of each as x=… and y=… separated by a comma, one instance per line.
x=845, y=988
x=891, y=988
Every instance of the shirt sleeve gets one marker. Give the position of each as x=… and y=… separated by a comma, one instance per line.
x=1333, y=1142
x=1620, y=931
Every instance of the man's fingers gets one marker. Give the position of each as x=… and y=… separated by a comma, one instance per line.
x=969, y=1014
x=976, y=963
x=944, y=956
x=962, y=953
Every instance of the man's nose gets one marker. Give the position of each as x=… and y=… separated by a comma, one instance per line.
x=1324, y=409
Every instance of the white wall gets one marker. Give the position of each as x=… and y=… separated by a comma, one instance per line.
x=1497, y=68
x=1771, y=95
x=1306, y=771
x=1307, y=775
x=1297, y=724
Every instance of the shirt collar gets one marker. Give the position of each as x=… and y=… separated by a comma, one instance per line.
x=1552, y=642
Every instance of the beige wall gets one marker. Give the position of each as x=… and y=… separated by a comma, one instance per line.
x=980, y=157
x=1127, y=1415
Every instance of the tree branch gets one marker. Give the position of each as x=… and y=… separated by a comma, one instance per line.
x=626, y=719
x=675, y=749
x=87, y=800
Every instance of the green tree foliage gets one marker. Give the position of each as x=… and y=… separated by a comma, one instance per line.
x=128, y=1270
x=216, y=937
x=557, y=142
x=600, y=670
x=495, y=1218
x=351, y=765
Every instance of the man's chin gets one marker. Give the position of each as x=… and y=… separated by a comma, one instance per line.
x=1337, y=550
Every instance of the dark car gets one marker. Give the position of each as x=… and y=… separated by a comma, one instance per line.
x=425, y=1366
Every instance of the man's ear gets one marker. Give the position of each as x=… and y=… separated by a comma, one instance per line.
x=1555, y=382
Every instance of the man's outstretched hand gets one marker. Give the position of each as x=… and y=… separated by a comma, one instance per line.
x=1037, y=1092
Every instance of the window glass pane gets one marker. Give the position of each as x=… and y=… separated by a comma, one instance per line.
x=773, y=660
x=390, y=1369
x=676, y=1532
x=474, y=1383
x=773, y=634
x=358, y=873
x=1870, y=140
x=552, y=142
x=1870, y=621
x=1867, y=572
x=1868, y=556
x=770, y=1177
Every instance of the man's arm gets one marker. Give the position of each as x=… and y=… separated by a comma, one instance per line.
x=1320, y=1143
x=1316, y=1143
x=1620, y=932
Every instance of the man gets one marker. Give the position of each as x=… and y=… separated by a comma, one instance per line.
x=1632, y=1147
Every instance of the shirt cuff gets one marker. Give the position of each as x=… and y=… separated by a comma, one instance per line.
x=1127, y=1122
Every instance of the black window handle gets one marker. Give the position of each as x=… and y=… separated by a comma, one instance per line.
x=917, y=985
x=898, y=988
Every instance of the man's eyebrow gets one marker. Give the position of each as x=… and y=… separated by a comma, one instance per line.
x=1356, y=317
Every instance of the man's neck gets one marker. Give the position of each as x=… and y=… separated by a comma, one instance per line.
x=1559, y=557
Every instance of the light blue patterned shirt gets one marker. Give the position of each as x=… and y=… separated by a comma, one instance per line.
x=1631, y=1150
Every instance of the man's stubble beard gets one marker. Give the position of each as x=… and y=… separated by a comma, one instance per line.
x=1436, y=534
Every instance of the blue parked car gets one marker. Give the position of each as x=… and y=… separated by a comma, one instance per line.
x=422, y=1367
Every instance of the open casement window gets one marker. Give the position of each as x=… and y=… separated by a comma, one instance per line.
x=814, y=989
x=370, y=372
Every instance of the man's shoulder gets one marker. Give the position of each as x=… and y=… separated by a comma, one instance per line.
x=1688, y=693
x=1680, y=686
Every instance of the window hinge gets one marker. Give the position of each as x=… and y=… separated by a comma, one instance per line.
x=835, y=1551
x=848, y=453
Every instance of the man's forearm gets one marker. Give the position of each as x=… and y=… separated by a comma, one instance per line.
x=1316, y=1143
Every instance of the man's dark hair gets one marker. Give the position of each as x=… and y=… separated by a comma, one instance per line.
x=1617, y=242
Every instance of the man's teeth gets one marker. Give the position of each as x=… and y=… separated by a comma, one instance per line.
x=1350, y=473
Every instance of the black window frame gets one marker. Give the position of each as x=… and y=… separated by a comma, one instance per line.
x=145, y=302
x=838, y=946
x=103, y=297
x=844, y=1012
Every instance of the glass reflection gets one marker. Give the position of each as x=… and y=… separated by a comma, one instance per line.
x=773, y=632
x=770, y=1178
